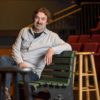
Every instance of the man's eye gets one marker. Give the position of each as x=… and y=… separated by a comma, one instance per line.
x=43, y=19
x=36, y=17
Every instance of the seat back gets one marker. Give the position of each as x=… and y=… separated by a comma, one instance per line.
x=99, y=49
x=84, y=38
x=57, y=77
x=95, y=38
x=76, y=46
x=90, y=47
x=73, y=39
x=60, y=70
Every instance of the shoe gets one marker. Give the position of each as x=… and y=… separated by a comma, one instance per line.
x=7, y=94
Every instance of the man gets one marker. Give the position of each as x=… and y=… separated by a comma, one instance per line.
x=35, y=45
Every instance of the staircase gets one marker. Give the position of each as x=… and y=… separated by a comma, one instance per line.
x=63, y=21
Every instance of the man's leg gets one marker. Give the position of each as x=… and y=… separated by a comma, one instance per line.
x=5, y=61
x=27, y=78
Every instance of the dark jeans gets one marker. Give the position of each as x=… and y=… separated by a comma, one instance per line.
x=6, y=61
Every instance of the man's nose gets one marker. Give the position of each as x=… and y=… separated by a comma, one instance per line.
x=39, y=21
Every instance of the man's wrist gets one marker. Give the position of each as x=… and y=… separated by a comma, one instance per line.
x=19, y=63
x=51, y=49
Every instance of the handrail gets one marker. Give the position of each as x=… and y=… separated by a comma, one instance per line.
x=72, y=6
x=65, y=15
x=61, y=16
x=84, y=3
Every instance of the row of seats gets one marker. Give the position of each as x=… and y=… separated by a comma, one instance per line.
x=86, y=47
x=90, y=47
x=87, y=43
x=83, y=38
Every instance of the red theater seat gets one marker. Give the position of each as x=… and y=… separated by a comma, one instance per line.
x=76, y=46
x=97, y=61
x=90, y=47
x=95, y=38
x=73, y=39
x=84, y=38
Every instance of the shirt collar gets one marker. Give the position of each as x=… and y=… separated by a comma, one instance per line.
x=32, y=31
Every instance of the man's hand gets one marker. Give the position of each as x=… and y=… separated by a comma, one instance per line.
x=48, y=56
x=22, y=65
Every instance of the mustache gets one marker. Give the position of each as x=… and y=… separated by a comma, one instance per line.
x=39, y=23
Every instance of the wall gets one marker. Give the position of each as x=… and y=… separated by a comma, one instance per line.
x=15, y=14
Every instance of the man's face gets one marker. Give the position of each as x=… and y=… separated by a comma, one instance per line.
x=40, y=21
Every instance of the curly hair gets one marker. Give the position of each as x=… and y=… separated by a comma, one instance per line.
x=45, y=11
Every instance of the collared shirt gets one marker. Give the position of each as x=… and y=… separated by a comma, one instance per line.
x=32, y=50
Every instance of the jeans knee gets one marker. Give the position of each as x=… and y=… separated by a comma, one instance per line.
x=6, y=61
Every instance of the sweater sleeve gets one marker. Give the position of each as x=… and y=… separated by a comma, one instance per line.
x=59, y=45
x=16, y=54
